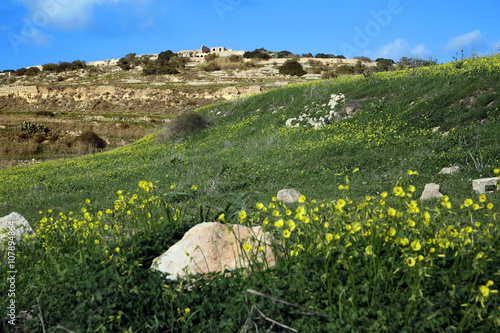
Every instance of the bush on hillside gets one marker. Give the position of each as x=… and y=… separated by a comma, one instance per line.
x=50, y=68
x=363, y=58
x=284, y=54
x=32, y=127
x=21, y=71
x=32, y=71
x=292, y=67
x=384, y=65
x=211, y=57
x=124, y=64
x=167, y=69
x=415, y=62
x=63, y=67
x=179, y=62
x=165, y=56
x=78, y=64
x=188, y=123
x=210, y=66
x=235, y=58
x=91, y=140
x=328, y=75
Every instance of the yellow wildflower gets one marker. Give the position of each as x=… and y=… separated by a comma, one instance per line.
x=410, y=261
x=391, y=211
x=415, y=245
x=291, y=224
x=328, y=237
x=279, y=224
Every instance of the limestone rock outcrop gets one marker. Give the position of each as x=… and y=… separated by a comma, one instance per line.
x=215, y=247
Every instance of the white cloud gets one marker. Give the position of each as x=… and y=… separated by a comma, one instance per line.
x=464, y=41
x=398, y=49
x=68, y=14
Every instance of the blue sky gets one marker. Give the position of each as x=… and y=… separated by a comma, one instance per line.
x=34, y=32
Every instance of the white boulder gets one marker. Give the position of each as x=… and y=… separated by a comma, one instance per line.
x=14, y=225
x=431, y=191
x=288, y=195
x=215, y=247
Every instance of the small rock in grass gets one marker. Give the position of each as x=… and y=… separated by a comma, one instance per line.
x=431, y=191
x=288, y=196
x=450, y=171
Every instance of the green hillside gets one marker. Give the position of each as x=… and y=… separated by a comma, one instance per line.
x=405, y=127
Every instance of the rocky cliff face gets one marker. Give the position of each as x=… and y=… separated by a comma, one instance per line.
x=113, y=98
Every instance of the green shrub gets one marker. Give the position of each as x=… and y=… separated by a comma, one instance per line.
x=165, y=57
x=92, y=140
x=188, y=123
x=50, y=68
x=328, y=75
x=235, y=58
x=32, y=127
x=292, y=67
x=78, y=64
x=124, y=64
x=149, y=69
x=179, y=62
x=21, y=71
x=32, y=71
x=210, y=67
x=63, y=67
x=167, y=69
x=211, y=57
x=246, y=65
x=7, y=80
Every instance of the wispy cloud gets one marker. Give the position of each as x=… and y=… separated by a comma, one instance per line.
x=464, y=41
x=400, y=48
x=67, y=14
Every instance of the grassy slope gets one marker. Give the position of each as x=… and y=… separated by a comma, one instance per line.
x=250, y=148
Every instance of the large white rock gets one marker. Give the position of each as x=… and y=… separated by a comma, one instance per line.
x=431, y=191
x=288, y=196
x=14, y=222
x=214, y=247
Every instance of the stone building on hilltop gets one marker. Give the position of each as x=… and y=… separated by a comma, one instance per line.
x=204, y=51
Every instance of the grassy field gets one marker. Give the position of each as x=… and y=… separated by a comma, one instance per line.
x=361, y=248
